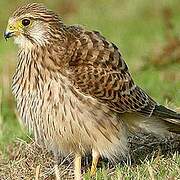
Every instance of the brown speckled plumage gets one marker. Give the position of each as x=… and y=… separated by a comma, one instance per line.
x=74, y=91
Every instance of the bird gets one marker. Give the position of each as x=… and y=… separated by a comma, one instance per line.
x=74, y=91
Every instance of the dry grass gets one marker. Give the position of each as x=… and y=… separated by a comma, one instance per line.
x=29, y=161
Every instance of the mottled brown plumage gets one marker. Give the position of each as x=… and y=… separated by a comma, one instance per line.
x=74, y=91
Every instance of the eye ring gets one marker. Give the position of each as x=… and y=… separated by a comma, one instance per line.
x=25, y=22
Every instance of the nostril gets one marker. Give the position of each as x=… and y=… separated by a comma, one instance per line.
x=11, y=27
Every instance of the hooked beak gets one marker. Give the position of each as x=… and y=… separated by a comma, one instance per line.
x=10, y=31
x=8, y=34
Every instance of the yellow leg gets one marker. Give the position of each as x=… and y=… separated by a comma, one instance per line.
x=77, y=167
x=95, y=158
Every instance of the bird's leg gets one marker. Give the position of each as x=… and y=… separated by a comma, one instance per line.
x=77, y=166
x=56, y=169
x=95, y=158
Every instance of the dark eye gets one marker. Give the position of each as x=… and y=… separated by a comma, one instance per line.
x=25, y=22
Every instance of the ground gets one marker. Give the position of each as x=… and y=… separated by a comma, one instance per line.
x=147, y=33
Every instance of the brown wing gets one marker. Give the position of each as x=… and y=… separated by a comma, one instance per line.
x=98, y=69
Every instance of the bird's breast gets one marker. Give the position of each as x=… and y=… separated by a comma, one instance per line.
x=48, y=108
x=59, y=116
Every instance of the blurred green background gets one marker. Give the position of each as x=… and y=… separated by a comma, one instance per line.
x=147, y=33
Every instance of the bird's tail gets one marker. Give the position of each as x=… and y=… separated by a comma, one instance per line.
x=170, y=117
x=167, y=114
x=159, y=123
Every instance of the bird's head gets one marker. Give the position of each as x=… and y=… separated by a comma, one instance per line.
x=32, y=24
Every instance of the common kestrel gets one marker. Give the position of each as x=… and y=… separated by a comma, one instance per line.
x=74, y=91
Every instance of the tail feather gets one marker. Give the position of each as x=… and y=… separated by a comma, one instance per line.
x=161, y=121
x=167, y=114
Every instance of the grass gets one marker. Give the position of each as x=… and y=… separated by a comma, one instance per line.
x=137, y=27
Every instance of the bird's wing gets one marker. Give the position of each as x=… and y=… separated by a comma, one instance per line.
x=98, y=69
